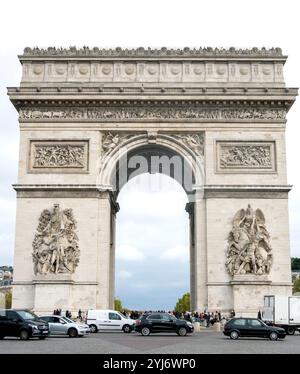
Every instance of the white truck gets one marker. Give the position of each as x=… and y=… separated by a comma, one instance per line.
x=282, y=311
x=107, y=320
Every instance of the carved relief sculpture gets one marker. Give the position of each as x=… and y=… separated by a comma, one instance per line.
x=51, y=155
x=193, y=141
x=67, y=155
x=125, y=114
x=246, y=155
x=110, y=141
x=249, y=250
x=55, y=245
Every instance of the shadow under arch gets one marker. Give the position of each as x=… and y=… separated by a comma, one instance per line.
x=137, y=155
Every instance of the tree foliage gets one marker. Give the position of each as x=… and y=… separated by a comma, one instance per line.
x=296, y=286
x=295, y=263
x=184, y=303
x=8, y=300
x=118, y=305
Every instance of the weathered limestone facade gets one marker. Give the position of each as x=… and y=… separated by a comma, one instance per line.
x=82, y=111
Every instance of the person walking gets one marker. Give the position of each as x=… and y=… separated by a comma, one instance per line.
x=259, y=314
x=207, y=318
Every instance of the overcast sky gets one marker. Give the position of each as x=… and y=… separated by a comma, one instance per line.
x=152, y=225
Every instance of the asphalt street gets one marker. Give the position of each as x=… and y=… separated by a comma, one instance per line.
x=204, y=342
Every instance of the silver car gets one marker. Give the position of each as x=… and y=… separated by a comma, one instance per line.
x=59, y=325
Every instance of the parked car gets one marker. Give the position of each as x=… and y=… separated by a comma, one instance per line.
x=59, y=325
x=108, y=320
x=252, y=327
x=162, y=322
x=23, y=324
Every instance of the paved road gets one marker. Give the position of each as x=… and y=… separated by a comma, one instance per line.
x=115, y=342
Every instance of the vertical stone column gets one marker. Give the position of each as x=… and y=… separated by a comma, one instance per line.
x=193, y=280
x=114, y=210
x=104, y=249
x=200, y=255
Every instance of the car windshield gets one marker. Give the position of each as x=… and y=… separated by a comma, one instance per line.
x=122, y=315
x=67, y=319
x=25, y=314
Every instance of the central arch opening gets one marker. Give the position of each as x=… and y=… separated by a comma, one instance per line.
x=152, y=243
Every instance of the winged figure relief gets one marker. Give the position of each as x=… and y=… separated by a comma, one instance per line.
x=249, y=249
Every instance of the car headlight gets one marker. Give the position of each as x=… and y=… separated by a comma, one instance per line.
x=34, y=327
x=190, y=324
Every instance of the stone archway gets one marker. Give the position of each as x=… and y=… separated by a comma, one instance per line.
x=179, y=156
x=222, y=112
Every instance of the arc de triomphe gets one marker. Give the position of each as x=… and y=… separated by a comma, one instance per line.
x=90, y=117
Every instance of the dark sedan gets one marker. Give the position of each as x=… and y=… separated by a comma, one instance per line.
x=162, y=322
x=22, y=324
x=252, y=327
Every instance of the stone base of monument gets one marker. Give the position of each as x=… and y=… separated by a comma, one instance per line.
x=250, y=278
x=217, y=326
x=57, y=291
x=197, y=326
x=249, y=291
x=59, y=278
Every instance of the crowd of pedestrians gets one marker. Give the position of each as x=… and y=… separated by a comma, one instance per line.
x=205, y=318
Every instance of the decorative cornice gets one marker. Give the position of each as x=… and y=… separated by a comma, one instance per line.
x=151, y=52
x=208, y=192
x=246, y=191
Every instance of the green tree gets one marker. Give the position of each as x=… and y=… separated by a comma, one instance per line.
x=118, y=305
x=183, y=304
x=8, y=299
x=296, y=286
x=295, y=263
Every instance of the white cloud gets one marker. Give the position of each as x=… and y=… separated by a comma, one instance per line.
x=178, y=253
x=124, y=274
x=129, y=253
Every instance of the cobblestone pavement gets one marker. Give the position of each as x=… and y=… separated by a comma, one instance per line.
x=204, y=342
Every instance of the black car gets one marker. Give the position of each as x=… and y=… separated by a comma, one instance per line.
x=162, y=322
x=23, y=324
x=252, y=327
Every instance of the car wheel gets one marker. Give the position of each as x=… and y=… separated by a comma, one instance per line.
x=24, y=335
x=1, y=337
x=93, y=328
x=182, y=331
x=290, y=330
x=234, y=335
x=127, y=329
x=72, y=333
x=145, y=331
x=273, y=335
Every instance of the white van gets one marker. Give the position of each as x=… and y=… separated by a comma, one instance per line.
x=108, y=320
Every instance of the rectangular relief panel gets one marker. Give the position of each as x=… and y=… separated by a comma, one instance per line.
x=58, y=156
x=245, y=156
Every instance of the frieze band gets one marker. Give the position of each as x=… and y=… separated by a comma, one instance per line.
x=146, y=113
